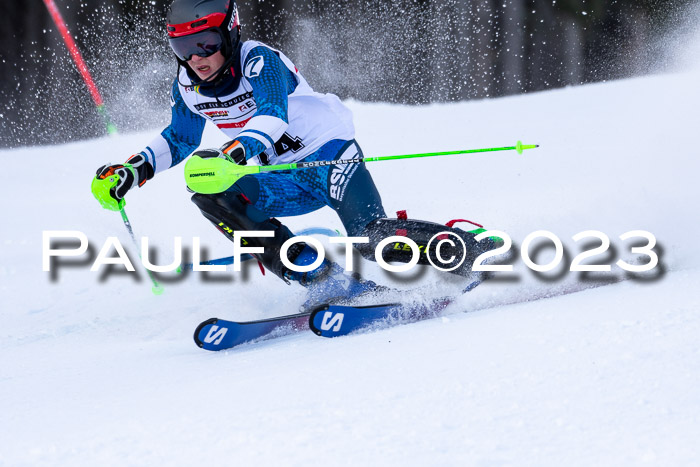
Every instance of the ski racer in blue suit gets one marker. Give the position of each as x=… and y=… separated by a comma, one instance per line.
x=258, y=98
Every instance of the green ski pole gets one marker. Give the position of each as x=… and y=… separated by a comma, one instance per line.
x=101, y=190
x=215, y=174
x=157, y=289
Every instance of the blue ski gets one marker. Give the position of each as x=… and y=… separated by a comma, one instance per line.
x=339, y=320
x=326, y=320
x=219, y=334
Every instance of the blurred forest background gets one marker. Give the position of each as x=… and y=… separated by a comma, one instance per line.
x=400, y=51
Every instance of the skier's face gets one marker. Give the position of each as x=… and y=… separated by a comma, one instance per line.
x=204, y=67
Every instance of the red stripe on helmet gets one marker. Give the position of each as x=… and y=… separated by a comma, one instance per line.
x=213, y=20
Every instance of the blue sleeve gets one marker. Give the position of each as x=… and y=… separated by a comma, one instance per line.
x=184, y=134
x=272, y=83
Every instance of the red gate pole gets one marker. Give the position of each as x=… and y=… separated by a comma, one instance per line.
x=80, y=64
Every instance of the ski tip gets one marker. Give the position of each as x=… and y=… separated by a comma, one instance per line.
x=197, y=340
x=312, y=316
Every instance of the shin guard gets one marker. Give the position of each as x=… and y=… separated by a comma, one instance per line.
x=229, y=212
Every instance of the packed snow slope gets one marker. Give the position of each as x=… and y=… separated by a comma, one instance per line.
x=555, y=369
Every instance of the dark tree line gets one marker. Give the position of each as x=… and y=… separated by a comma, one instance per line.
x=403, y=51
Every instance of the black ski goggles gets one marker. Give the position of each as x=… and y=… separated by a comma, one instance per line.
x=203, y=43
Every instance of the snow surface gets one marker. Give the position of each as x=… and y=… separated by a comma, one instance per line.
x=558, y=369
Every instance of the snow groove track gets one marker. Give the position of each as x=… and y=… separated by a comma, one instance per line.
x=94, y=369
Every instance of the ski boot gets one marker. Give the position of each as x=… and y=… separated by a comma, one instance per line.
x=461, y=253
x=329, y=283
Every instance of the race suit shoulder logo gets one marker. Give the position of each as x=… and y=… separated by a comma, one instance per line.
x=254, y=67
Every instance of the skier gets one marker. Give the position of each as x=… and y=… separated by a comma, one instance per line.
x=258, y=98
